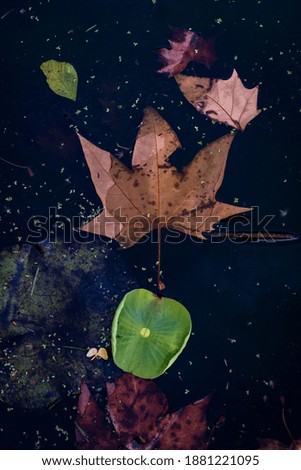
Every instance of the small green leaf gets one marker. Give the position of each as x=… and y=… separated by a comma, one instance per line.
x=148, y=333
x=61, y=78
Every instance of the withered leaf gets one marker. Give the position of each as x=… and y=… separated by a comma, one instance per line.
x=91, y=428
x=137, y=411
x=135, y=406
x=226, y=101
x=273, y=444
x=186, y=46
x=152, y=193
x=186, y=428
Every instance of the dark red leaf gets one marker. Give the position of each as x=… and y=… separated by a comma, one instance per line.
x=186, y=46
x=92, y=431
x=186, y=428
x=135, y=407
x=139, y=420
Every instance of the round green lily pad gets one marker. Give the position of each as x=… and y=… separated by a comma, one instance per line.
x=148, y=333
x=61, y=77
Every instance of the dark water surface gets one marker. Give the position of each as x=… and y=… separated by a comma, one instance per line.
x=244, y=299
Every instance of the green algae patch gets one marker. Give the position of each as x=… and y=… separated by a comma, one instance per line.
x=55, y=304
x=61, y=77
x=148, y=333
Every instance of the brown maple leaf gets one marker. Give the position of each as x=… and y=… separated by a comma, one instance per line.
x=139, y=419
x=226, y=101
x=153, y=193
x=186, y=46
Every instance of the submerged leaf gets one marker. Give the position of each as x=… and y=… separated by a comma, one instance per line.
x=148, y=333
x=61, y=78
x=139, y=419
x=92, y=430
x=186, y=428
x=226, y=101
x=135, y=406
x=154, y=193
x=186, y=46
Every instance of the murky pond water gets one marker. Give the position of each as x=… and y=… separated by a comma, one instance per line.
x=244, y=298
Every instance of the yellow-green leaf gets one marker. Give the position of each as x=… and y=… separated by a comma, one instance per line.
x=61, y=77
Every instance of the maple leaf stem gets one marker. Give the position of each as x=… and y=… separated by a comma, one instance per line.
x=159, y=255
x=257, y=236
x=160, y=283
x=284, y=421
x=24, y=167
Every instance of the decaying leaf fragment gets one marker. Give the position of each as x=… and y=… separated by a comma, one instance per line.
x=273, y=444
x=153, y=193
x=226, y=101
x=186, y=46
x=137, y=411
x=91, y=428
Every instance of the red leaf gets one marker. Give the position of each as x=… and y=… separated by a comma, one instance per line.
x=186, y=46
x=92, y=431
x=138, y=415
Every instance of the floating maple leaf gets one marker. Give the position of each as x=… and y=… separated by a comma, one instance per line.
x=139, y=419
x=154, y=194
x=186, y=46
x=226, y=101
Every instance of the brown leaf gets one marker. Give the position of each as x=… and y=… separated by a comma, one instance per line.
x=273, y=444
x=136, y=201
x=226, y=101
x=185, y=429
x=92, y=431
x=296, y=445
x=186, y=46
x=135, y=407
x=139, y=420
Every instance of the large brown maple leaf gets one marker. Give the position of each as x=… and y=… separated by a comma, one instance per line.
x=153, y=193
